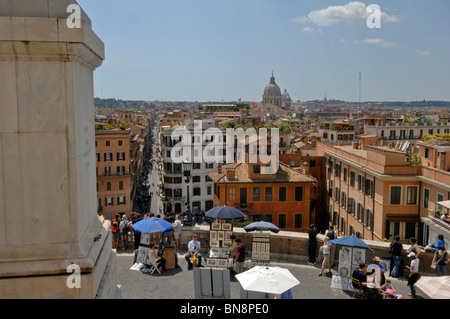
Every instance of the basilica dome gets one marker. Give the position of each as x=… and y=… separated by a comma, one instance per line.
x=272, y=89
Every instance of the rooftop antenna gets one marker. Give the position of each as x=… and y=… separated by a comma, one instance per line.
x=359, y=87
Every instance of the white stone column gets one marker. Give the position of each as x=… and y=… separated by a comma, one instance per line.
x=48, y=216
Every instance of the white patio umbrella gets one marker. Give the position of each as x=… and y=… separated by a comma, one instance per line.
x=271, y=280
x=435, y=287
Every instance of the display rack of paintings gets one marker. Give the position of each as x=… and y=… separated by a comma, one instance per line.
x=261, y=249
x=219, y=241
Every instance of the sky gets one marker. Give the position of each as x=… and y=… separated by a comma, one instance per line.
x=214, y=50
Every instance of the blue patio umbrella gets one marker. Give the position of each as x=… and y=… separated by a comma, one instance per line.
x=262, y=225
x=224, y=213
x=152, y=225
x=350, y=241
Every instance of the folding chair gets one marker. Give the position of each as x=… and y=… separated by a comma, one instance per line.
x=358, y=289
x=153, y=265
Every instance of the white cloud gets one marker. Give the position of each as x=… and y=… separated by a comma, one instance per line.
x=308, y=29
x=380, y=42
x=352, y=12
x=423, y=53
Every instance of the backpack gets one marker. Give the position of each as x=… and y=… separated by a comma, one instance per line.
x=330, y=234
x=391, y=247
x=115, y=226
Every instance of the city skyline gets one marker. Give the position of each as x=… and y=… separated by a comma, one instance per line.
x=203, y=51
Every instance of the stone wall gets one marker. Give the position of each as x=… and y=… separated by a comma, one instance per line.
x=293, y=246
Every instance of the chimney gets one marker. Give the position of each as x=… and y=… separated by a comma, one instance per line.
x=230, y=173
x=219, y=169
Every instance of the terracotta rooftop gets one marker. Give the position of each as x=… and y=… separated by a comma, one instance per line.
x=285, y=174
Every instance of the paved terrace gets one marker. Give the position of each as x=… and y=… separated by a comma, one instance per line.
x=178, y=283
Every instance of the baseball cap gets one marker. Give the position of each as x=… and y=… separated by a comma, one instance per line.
x=411, y=254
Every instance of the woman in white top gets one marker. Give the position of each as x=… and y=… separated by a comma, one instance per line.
x=326, y=256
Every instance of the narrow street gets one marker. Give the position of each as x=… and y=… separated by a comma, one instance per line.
x=154, y=176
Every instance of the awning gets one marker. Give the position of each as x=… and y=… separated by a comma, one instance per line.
x=403, y=218
x=445, y=203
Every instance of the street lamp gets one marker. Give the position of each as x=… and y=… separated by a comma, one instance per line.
x=187, y=167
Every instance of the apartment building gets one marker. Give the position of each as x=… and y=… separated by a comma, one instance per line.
x=374, y=194
x=173, y=185
x=283, y=198
x=113, y=172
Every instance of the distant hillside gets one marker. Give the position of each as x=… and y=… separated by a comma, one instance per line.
x=117, y=103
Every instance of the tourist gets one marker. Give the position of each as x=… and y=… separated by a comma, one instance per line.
x=160, y=262
x=377, y=262
x=433, y=248
x=359, y=274
x=389, y=291
x=193, y=251
x=440, y=261
x=123, y=229
x=331, y=233
x=413, y=274
x=233, y=246
x=240, y=256
x=312, y=244
x=414, y=247
x=116, y=231
x=397, y=257
x=326, y=248
x=177, y=230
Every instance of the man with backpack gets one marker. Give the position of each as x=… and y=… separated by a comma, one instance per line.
x=330, y=233
x=115, y=231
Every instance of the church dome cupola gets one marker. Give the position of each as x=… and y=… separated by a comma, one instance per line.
x=272, y=93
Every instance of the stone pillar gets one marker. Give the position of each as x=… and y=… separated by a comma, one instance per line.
x=48, y=217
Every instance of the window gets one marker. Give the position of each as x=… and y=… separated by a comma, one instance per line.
x=337, y=170
x=352, y=178
x=167, y=180
x=109, y=201
x=298, y=194
x=120, y=170
x=396, y=195
x=351, y=230
x=282, y=221
x=411, y=195
x=312, y=163
x=98, y=157
x=360, y=212
x=369, y=187
x=282, y=193
x=178, y=180
x=196, y=166
x=298, y=220
x=232, y=194
x=208, y=190
x=108, y=157
x=120, y=142
x=256, y=169
x=107, y=143
x=120, y=185
x=337, y=195
x=196, y=179
x=351, y=206
x=330, y=167
x=369, y=219
x=196, y=191
x=107, y=171
x=177, y=193
x=120, y=156
x=440, y=198
x=344, y=200
x=108, y=186
x=121, y=200
x=330, y=189
x=256, y=194
x=427, y=153
x=360, y=182
x=336, y=219
x=268, y=194
x=345, y=174
x=426, y=197
x=342, y=228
